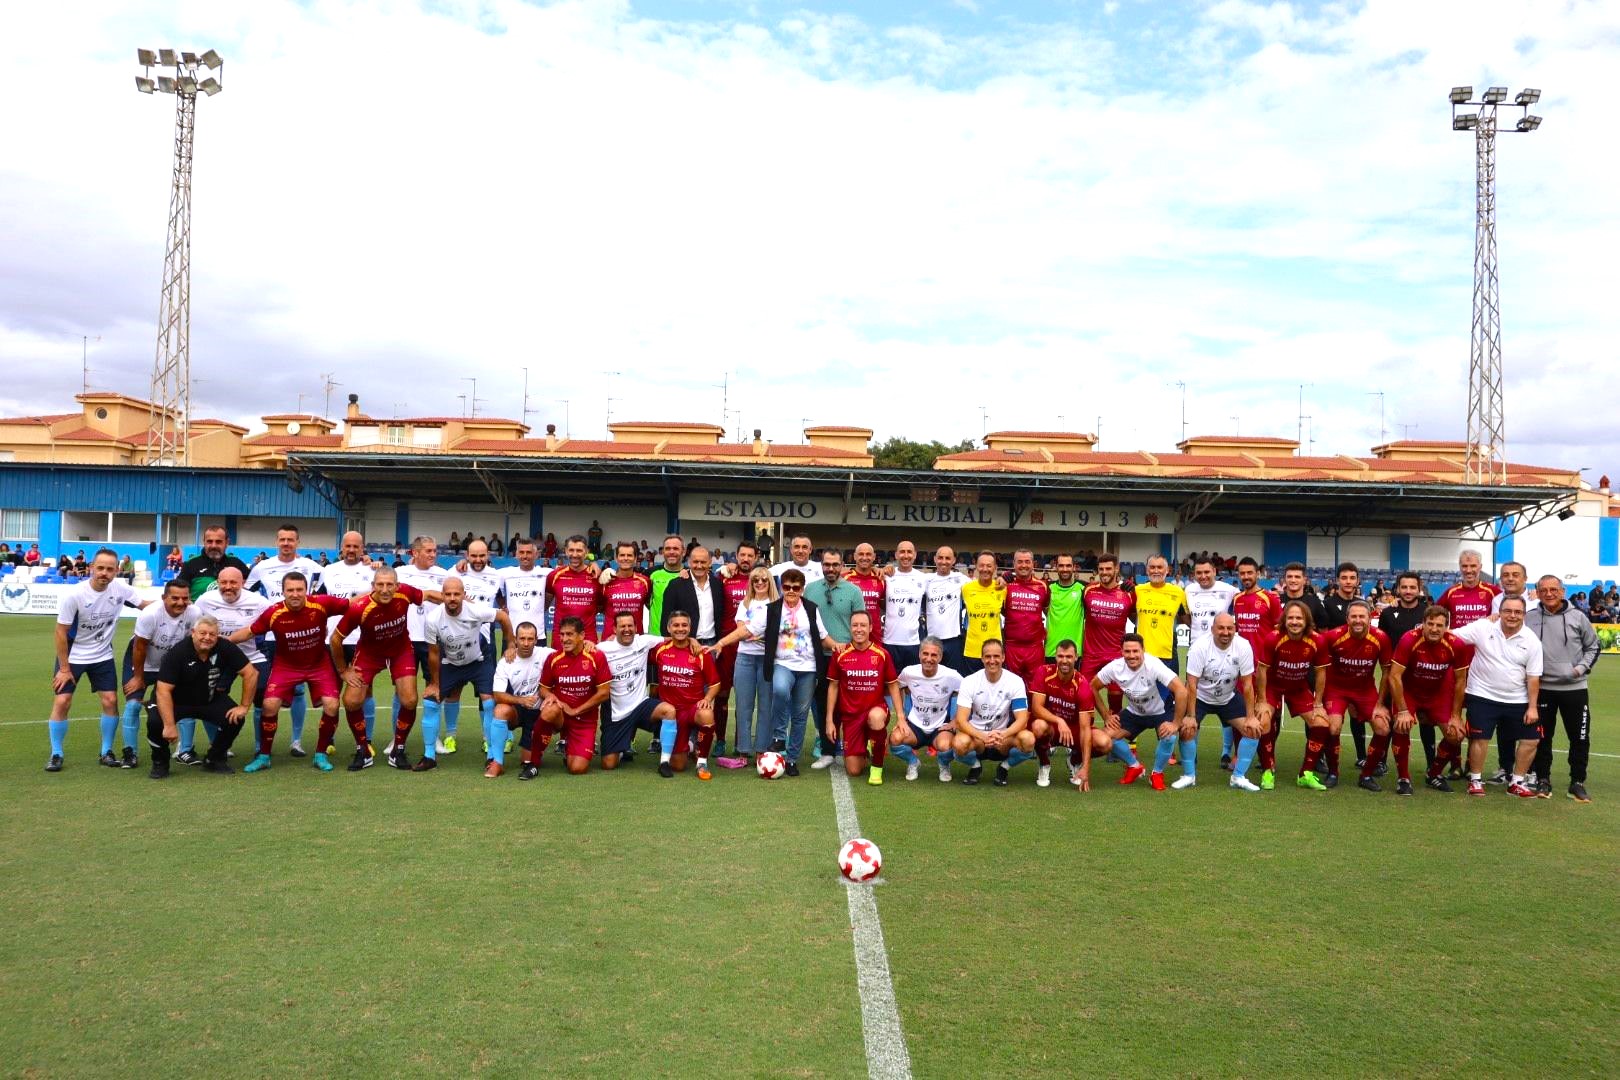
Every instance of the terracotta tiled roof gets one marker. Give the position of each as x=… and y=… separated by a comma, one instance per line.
x=830, y=429
x=665, y=424
x=1272, y=439
x=294, y=440
x=306, y=417
x=1220, y=461
x=1294, y=461
x=432, y=420
x=1413, y=478
x=1038, y=435
x=44, y=419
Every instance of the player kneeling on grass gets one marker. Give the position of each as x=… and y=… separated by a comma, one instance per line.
x=574, y=681
x=688, y=682
x=929, y=690
x=1220, y=681
x=1061, y=707
x=858, y=677
x=992, y=717
x=517, y=694
x=459, y=655
x=1427, y=679
x=1138, y=677
x=301, y=658
x=191, y=685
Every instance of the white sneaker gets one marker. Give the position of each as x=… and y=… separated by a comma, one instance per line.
x=389, y=749
x=1074, y=776
x=822, y=762
x=911, y=770
x=297, y=748
x=1043, y=776
x=1184, y=782
x=440, y=748
x=944, y=774
x=1242, y=783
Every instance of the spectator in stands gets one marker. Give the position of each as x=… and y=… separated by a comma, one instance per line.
x=548, y=550
x=260, y=557
x=175, y=560
x=126, y=569
x=512, y=543
x=64, y=568
x=495, y=545
x=32, y=556
x=693, y=543
x=81, y=567
x=593, y=537
x=324, y=560
x=5, y=552
x=1597, y=607
x=1579, y=601
x=455, y=541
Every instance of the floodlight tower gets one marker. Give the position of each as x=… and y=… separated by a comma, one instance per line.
x=1486, y=462
x=167, y=436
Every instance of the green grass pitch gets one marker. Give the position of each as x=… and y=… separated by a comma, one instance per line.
x=621, y=925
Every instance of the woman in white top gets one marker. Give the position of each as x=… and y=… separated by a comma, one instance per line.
x=751, y=694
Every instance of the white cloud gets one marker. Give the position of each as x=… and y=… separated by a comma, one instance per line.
x=1042, y=218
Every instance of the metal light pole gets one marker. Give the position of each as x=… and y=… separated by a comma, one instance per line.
x=169, y=428
x=1486, y=462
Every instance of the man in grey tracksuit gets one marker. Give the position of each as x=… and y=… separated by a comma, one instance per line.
x=1569, y=648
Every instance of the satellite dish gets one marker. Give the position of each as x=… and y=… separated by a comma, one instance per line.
x=294, y=428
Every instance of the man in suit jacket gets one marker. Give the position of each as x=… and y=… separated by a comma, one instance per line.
x=701, y=595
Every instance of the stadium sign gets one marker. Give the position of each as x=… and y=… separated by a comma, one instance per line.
x=1079, y=516
x=20, y=598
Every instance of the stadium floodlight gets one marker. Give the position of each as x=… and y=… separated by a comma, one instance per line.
x=1461, y=94
x=1464, y=121
x=169, y=425
x=1495, y=95
x=1529, y=123
x=1527, y=96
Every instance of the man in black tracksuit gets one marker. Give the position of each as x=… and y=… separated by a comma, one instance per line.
x=192, y=684
x=1569, y=648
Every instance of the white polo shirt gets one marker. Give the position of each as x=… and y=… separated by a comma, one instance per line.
x=1502, y=665
x=1219, y=669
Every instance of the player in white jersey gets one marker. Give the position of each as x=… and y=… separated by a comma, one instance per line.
x=458, y=656
x=517, y=683
x=992, y=717
x=523, y=587
x=234, y=608
x=629, y=709
x=85, y=622
x=902, y=607
x=1138, y=677
x=348, y=578
x=1207, y=597
x=1220, y=678
x=930, y=698
x=266, y=576
x=942, y=606
x=482, y=584
x=158, y=629
x=423, y=572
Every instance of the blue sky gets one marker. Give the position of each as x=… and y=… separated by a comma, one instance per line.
x=883, y=214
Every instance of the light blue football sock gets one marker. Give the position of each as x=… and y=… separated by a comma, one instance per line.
x=109, y=732
x=370, y=709
x=132, y=722
x=430, y=728
x=58, y=736
x=1161, y=755
x=1189, y=757
x=188, y=734
x=1124, y=753
x=1018, y=757
x=452, y=716
x=1245, y=754
x=666, y=738
x=945, y=757
x=970, y=759
x=300, y=705
x=904, y=753
x=486, y=709
x=1228, y=737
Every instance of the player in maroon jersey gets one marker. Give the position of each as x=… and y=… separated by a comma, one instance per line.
x=1291, y=670
x=1471, y=598
x=1258, y=611
x=1357, y=653
x=736, y=586
x=1023, y=611
x=859, y=678
x=385, y=644
x=1107, y=608
x=873, y=585
x=301, y=659
x=687, y=686
x=626, y=591
x=575, y=592
x=1427, y=677
x=1060, y=711
x=573, y=683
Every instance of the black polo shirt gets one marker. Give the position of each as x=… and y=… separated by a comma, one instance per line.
x=197, y=682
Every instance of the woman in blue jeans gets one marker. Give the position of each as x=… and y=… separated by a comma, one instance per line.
x=752, y=729
x=795, y=651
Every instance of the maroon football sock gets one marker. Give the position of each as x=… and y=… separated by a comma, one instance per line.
x=1403, y=756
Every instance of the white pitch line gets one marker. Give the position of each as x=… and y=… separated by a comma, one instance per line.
x=886, y=1054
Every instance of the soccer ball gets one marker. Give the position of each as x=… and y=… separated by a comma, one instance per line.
x=860, y=860
x=771, y=765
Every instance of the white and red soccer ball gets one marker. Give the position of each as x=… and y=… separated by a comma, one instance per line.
x=859, y=860
x=771, y=765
